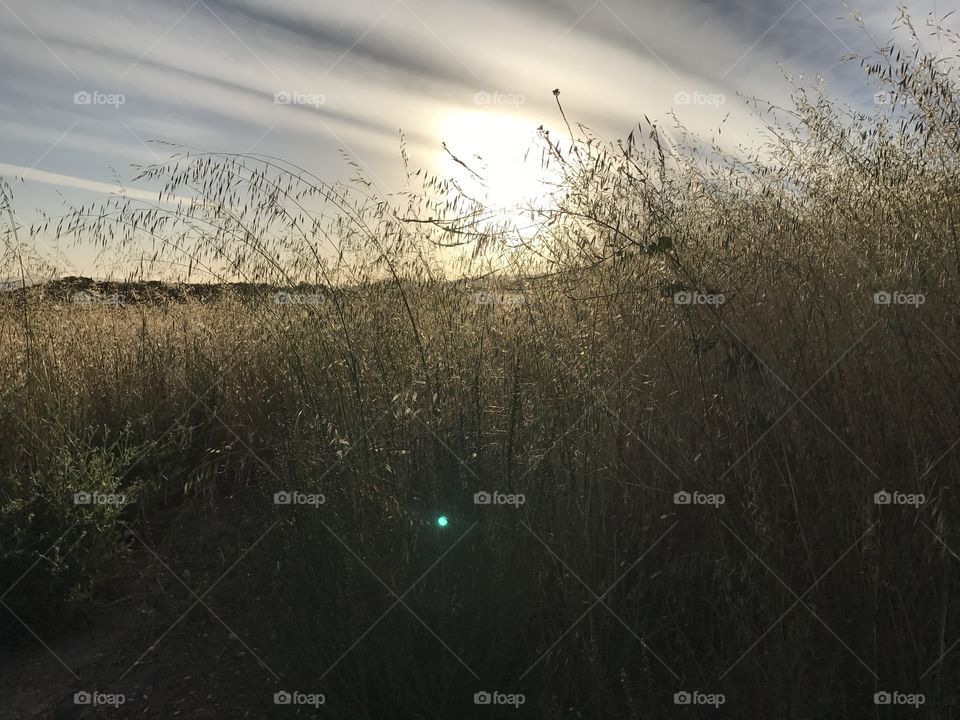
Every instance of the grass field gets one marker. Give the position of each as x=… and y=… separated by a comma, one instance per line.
x=693, y=442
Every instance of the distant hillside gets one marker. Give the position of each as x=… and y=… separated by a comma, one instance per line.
x=63, y=289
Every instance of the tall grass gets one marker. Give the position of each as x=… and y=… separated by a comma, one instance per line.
x=594, y=391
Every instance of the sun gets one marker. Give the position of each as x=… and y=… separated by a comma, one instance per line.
x=505, y=169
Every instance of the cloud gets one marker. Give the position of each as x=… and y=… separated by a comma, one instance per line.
x=79, y=183
x=363, y=40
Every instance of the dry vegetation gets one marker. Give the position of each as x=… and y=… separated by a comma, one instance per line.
x=599, y=396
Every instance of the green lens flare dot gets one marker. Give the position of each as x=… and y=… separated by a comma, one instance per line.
x=442, y=521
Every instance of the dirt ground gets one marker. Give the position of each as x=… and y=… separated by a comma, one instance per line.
x=145, y=642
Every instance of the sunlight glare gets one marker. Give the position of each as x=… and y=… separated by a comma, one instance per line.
x=500, y=148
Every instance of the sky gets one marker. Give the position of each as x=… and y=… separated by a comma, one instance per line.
x=88, y=84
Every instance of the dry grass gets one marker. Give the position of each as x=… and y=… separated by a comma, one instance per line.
x=597, y=397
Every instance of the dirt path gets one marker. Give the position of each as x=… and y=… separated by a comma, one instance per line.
x=196, y=668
